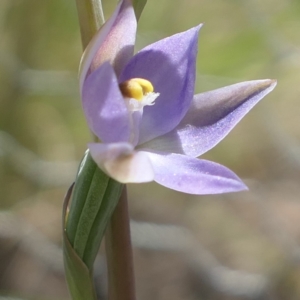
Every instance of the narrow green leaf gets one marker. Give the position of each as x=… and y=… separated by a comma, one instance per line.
x=90, y=15
x=97, y=189
x=94, y=199
x=85, y=173
x=108, y=205
x=79, y=278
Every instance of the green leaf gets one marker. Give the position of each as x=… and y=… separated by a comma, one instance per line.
x=108, y=205
x=94, y=199
x=138, y=6
x=85, y=174
x=79, y=278
x=97, y=190
x=90, y=15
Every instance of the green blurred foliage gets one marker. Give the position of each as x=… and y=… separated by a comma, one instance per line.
x=43, y=135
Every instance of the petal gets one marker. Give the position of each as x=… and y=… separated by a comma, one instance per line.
x=170, y=66
x=114, y=42
x=194, y=176
x=122, y=163
x=104, y=106
x=211, y=117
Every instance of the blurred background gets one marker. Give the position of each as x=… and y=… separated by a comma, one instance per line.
x=234, y=246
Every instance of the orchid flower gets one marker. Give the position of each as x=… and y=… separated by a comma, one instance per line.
x=143, y=109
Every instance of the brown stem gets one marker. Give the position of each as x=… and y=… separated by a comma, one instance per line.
x=121, y=284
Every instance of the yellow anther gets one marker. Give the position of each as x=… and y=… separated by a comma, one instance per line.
x=136, y=88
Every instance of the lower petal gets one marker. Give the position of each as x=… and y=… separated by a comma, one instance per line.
x=194, y=176
x=122, y=163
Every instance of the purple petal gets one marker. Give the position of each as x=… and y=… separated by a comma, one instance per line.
x=120, y=162
x=211, y=117
x=170, y=65
x=104, y=106
x=194, y=176
x=114, y=42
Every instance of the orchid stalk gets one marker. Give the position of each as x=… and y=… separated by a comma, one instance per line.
x=94, y=199
x=91, y=18
x=149, y=126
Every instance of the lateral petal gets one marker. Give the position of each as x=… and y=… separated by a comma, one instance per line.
x=211, y=117
x=104, y=106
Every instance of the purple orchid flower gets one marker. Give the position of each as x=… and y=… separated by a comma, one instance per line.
x=143, y=109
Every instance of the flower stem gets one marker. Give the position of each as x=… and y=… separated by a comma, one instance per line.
x=90, y=15
x=121, y=284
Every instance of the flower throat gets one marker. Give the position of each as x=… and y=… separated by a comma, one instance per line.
x=138, y=92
